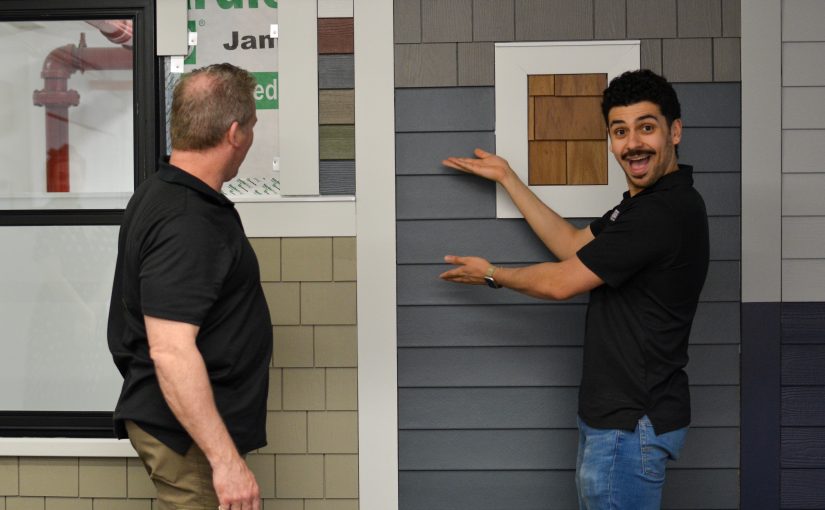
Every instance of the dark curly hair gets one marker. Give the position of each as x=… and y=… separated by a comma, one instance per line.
x=634, y=87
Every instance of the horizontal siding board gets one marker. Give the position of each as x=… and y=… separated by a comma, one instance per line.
x=803, y=447
x=803, y=237
x=445, y=109
x=711, y=149
x=716, y=323
x=444, y=196
x=802, y=194
x=802, y=20
x=337, y=177
x=535, y=408
x=721, y=192
x=722, y=282
x=803, y=107
x=803, y=406
x=335, y=35
x=426, y=65
x=725, y=238
x=489, y=326
x=686, y=489
x=336, y=72
x=803, y=323
x=538, y=366
x=336, y=107
x=803, y=151
x=803, y=64
x=803, y=280
x=540, y=449
x=803, y=365
x=422, y=153
x=710, y=104
x=336, y=142
x=803, y=488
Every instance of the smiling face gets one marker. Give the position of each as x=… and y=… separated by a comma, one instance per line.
x=643, y=143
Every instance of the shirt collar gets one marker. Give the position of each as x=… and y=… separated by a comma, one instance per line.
x=172, y=174
x=681, y=177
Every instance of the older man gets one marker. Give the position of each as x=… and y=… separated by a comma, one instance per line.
x=189, y=328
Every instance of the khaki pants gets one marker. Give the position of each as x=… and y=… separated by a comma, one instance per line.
x=182, y=481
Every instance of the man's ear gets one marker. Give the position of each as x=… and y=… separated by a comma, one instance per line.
x=676, y=131
x=233, y=134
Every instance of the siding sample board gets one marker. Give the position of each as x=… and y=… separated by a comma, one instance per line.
x=547, y=163
x=726, y=60
x=803, y=64
x=459, y=196
x=803, y=107
x=797, y=487
x=425, y=65
x=803, y=237
x=803, y=280
x=335, y=72
x=802, y=194
x=710, y=448
x=569, y=118
x=725, y=238
x=651, y=55
x=716, y=323
x=713, y=365
x=700, y=18
x=710, y=104
x=335, y=35
x=803, y=406
x=722, y=283
x=802, y=365
x=711, y=149
x=803, y=448
x=422, y=153
x=803, y=323
x=446, y=20
x=610, y=19
x=803, y=150
x=802, y=20
x=335, y=8
x=336, y=142
x=476, y=64
x=553, y=20
x=648, y=19
x=587, y=162
x=580, y=84
x=541, y=84
x=720, y=192
x=337, y=177
x=691, y=489
x=731, y=18
x=445, y=109
x=336, y=107
x=407, y=21
x=493, y=20
x=687, y=60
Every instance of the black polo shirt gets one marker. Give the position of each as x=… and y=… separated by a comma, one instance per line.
x=652, y=253
x=183, y=256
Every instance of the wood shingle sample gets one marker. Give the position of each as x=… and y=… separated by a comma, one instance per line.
x=335, y=35
x=541, y=85
x=547, y=163
x=569, y=118
x=586, y=162
x=580, y=84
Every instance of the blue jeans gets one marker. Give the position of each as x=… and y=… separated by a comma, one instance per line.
x=621, y=470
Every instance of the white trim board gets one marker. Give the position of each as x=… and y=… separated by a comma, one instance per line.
x=514, y=62
x=65, y=447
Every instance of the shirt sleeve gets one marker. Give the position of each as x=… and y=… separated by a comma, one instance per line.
x=183, y=266
x=638, y=238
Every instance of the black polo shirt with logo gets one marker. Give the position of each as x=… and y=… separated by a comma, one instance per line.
x=652, y=253
x=183, y=256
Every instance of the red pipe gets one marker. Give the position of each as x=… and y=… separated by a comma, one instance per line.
x=59, y=65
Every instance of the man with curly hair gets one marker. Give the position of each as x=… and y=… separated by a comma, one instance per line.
x=644, y=263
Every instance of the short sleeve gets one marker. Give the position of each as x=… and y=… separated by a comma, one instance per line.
x=183, y=265
x=638, y=238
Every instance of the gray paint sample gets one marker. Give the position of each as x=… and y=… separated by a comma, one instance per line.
x=407, y=21
x=716, y=323
x=710, y=105
x=335, y=72
x=731, y=16
x=720, y=191
x=337, y=177
x=803, y=237
x=802, y=20
x=445, y=109
x=553, y=20
x=711, y=149
x=446, y=20
x=687, y=60
x=425, y=65
x=476, y=64
x=722, y=283
x=493, y=20
x=724, y=238
x=713, y=365
x=648, y=19
x=444, y=196
x=803, y=107
x=803, y=64
x=651, y=55
x=699, y=18
x=610, y=18
x=803, y=151
x=422, y=153
x=727, y=64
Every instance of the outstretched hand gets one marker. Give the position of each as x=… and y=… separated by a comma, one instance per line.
x=470, y=270
x=485, y=164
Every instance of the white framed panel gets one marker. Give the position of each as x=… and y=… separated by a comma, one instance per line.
x=514, y=62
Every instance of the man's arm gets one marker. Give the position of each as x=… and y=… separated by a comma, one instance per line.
x=185, y=385
x=560, y=237
x=549, y=280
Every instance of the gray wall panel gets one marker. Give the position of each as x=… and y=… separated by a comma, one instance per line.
x=446, y=20
x=444, y=196
x=803, y=323
x=535, y=408
x=801, y=488
x=336, y=72
x=611, y=19
x=476, y=64
x=803, y=64
x=422, y=153
x=425, y=65
x=803, y=237
x=407, y=21
x=713, y=364
x=687, y=60
x=725, y=237
x=710, y=105
x=445, y=109
x=721, y=192
x=337, y=177
x=711, y=149
x=692, y=489
x=493, y=20
x=651, y=19
x=710, y=448
x=803, y=447
x=731, y=18
x=716, y=323
x=803, y=107
x=700, y=18
x=802, y=194
x=802, y=20
x=553, y=20
x=803, y=150
x=651, y=55
x=803, y=365
x=727, y=62
x=803, y=406
x=722, y=282
x=478, y=326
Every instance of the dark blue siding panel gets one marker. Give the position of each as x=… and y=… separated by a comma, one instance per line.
x=803, y=365
x=803, y=406
x=445, y=109
x=487, y=490
x=422, y=153
x=441, y=196
x=803, y=488
x=803, y=447
x=513, y=325
x=721, y=192
x=535, y=408
x=710, y=104
x=803, y=323
x=711, y=149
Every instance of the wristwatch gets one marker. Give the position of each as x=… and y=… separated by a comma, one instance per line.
x=488, y=277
